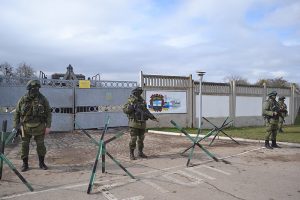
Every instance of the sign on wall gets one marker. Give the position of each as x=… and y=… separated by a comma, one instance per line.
x=84, y=84
x=166, y=102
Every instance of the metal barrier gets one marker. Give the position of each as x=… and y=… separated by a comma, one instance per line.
x=69, y=102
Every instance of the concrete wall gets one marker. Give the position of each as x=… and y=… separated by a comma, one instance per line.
x=242, y=104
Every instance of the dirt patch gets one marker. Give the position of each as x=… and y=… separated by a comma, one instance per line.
x=75, y=148
x=72, y=156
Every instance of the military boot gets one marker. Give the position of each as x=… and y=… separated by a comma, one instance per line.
x=267, y=145
x=141, y=154
x=42, y=163
x=25, y=166
x=274, y=145
x=132, y=157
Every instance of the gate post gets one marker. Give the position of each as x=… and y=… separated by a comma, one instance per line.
x=74, y=103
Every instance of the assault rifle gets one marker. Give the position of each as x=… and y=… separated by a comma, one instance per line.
x=142, y=113
x=279, y=110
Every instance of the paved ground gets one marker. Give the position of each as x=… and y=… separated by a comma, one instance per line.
x=251, y=172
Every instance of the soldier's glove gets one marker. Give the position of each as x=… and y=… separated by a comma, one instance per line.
x=14, y=131
x=275, y=113
x=18, y=133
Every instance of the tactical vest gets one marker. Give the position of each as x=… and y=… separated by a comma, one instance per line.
x=33, y=111
x=270, y=107
x=283, y=108
x=135, y=120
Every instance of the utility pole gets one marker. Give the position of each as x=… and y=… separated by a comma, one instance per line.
x=200, y=74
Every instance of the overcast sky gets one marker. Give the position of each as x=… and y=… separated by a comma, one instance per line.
x=253, y=39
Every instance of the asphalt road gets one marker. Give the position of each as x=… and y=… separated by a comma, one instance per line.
x=250, y=171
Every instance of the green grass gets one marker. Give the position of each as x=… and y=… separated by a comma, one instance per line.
x=291, y=133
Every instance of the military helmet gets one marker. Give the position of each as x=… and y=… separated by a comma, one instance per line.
x=281, y=98
x=137, y=89
x=33, y=83
x=273, y=93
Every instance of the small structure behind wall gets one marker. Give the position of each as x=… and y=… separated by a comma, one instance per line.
x=69, y=75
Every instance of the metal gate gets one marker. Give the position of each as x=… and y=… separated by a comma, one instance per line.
x=103, y=98
x=69, y=103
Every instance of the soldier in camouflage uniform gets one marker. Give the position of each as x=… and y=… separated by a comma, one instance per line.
x=33, y=117
x=271, y=114
x=137, y=113
x=283, y=112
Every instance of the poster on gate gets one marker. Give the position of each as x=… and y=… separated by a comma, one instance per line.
x=84, y=84
x=166, y=101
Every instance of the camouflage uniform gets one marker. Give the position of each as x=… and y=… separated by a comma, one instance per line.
x=137, y=113
x=33, y=115
x=270, y=112
x=283, y=112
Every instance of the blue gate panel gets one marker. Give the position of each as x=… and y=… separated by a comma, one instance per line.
x=9, y=118
x=90, y=120
x=11, y=95
x=59, y=97
x=101, y=96
x=62, y=122
x=97, y=119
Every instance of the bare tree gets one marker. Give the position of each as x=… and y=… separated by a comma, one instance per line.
x=6, y=69
x=275, y=82
x=238, y=80
x=25, y=71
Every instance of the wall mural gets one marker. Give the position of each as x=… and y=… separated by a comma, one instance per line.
x=166, y=102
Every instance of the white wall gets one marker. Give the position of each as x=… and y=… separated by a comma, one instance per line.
x=248, y=106
x=252, y=106
x=213, y=106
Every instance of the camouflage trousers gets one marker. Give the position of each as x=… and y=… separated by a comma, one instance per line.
x=40, y=146
x=271, y=130
x=280, y=125
x=281, y=121
x=137, y=135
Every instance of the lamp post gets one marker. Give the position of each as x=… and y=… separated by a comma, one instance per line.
x=200, y=74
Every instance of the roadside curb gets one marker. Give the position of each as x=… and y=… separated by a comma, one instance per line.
x=225, y=138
